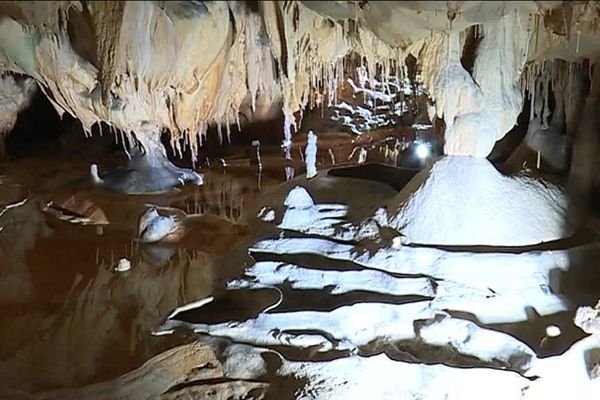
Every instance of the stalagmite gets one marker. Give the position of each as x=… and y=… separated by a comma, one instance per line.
x=256, y=151
x=362, y=155
x=311, y=155
x=588, y=319
x=496, y=210
x=148, y=170
x=331, y=156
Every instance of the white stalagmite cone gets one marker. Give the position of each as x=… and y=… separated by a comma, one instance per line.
x=588, y=319
x=94, y=175
x=311, y=155
x=256, y=144
x=266, y=214
x=362, y=156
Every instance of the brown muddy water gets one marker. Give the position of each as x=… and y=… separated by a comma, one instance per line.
x=66, y=317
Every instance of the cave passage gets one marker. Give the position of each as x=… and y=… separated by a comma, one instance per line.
x=299, y=199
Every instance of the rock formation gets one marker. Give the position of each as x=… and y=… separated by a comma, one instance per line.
x=15, y=94
x=147, y=66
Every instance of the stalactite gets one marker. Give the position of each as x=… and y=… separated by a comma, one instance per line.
x=209, y=84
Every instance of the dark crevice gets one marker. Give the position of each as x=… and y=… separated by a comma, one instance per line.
x=292, y=234
x=311, y=353
x=37, y=123
x=580, y=239
x=416, y=352
x=322, y=299
x=204, y=382
x=82, y=36
x=243, y=304
x=284, y=49
x=231, y=305
x=253, y=6
x=504, y=154
x=315, y=261
x=234, y=26
x=470, y=49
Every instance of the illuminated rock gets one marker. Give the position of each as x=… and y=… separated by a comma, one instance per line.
x=311, y=155
x=466, y=201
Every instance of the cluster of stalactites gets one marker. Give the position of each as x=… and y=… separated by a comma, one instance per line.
x=312, y=53
x=536, y=82
x=145, y=67
x=558, y=67
x=309, y=59
x=564, y=82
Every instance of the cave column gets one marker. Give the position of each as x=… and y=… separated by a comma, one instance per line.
x=481, y=108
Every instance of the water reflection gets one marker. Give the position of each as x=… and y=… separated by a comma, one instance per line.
x=67, y=317
x=99, y=324
x=21, y=227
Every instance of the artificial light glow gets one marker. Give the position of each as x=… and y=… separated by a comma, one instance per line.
x=422, y=151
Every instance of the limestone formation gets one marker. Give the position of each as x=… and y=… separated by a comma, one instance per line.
x=466, y=201
x=145, y=67
x=15, y=94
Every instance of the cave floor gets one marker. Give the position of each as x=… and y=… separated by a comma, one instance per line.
x=69, y=320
